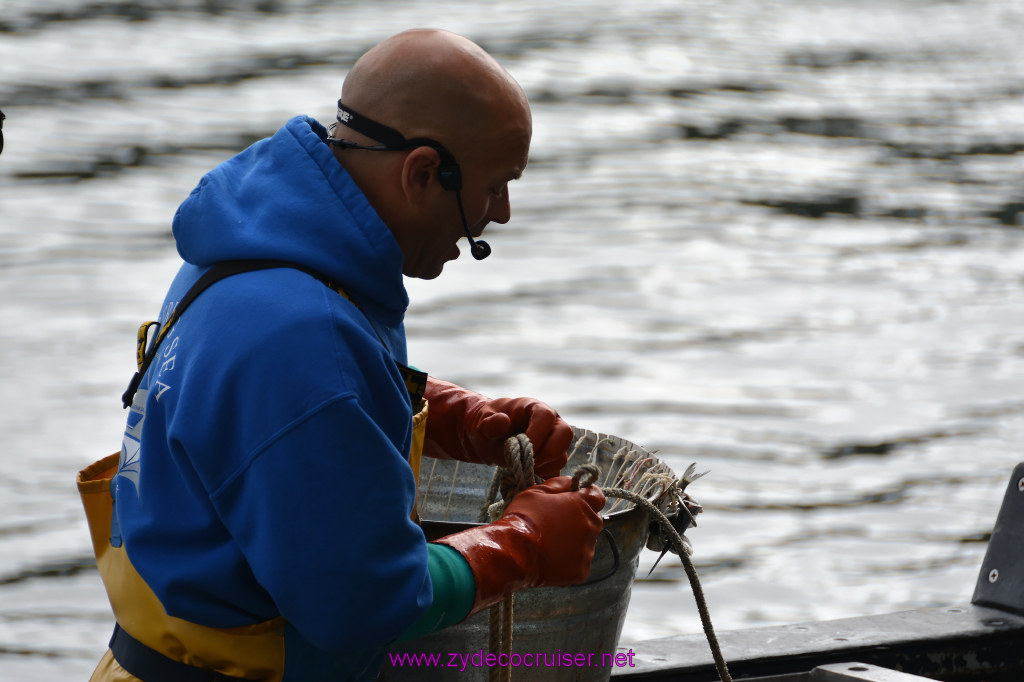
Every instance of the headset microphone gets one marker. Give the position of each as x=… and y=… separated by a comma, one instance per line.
x=453, y=181
x=479, y=248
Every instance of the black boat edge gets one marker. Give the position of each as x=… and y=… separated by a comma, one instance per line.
x=975, y=642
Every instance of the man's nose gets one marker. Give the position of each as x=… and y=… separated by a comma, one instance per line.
x=500, y=209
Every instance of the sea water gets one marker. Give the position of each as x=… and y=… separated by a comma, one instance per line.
x=780, y=239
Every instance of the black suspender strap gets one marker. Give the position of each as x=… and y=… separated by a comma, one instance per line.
x=152, y=666
x=216, y=273
x=415, y=380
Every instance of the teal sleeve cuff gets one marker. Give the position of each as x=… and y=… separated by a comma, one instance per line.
x=454, y=592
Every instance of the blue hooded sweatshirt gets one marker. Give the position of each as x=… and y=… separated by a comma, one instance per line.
x=264, y=469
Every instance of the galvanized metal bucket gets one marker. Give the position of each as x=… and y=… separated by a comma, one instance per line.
x=560, y=624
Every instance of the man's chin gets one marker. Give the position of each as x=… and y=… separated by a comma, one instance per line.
x=431, y=275
x=435, y=271
x=427, y=274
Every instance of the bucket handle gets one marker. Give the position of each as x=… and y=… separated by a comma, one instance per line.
x=615, y=560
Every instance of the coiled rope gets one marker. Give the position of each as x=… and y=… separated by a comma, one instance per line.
x=517, y=475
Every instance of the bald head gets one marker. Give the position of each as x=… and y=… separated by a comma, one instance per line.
x=436, y=84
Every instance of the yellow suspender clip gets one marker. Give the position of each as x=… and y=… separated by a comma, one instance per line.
x=140, y=347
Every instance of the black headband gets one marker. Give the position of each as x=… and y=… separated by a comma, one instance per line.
x=449, y=172
x=366, y=126
x=391, y=138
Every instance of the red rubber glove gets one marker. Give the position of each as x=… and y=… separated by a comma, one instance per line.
x=546, y=537
x=467, y=426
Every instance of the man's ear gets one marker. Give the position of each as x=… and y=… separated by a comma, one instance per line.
x=419, y=174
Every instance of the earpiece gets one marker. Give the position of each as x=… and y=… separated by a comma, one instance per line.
x=449, y=173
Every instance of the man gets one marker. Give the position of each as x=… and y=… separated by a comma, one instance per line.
x=261, y=501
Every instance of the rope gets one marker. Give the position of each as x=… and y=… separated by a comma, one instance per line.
x=516, y=476
x=586, y=475
x=519, y=460
x=691, y=573
x=496, y=639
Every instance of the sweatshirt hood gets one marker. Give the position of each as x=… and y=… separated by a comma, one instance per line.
x=287, y=198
